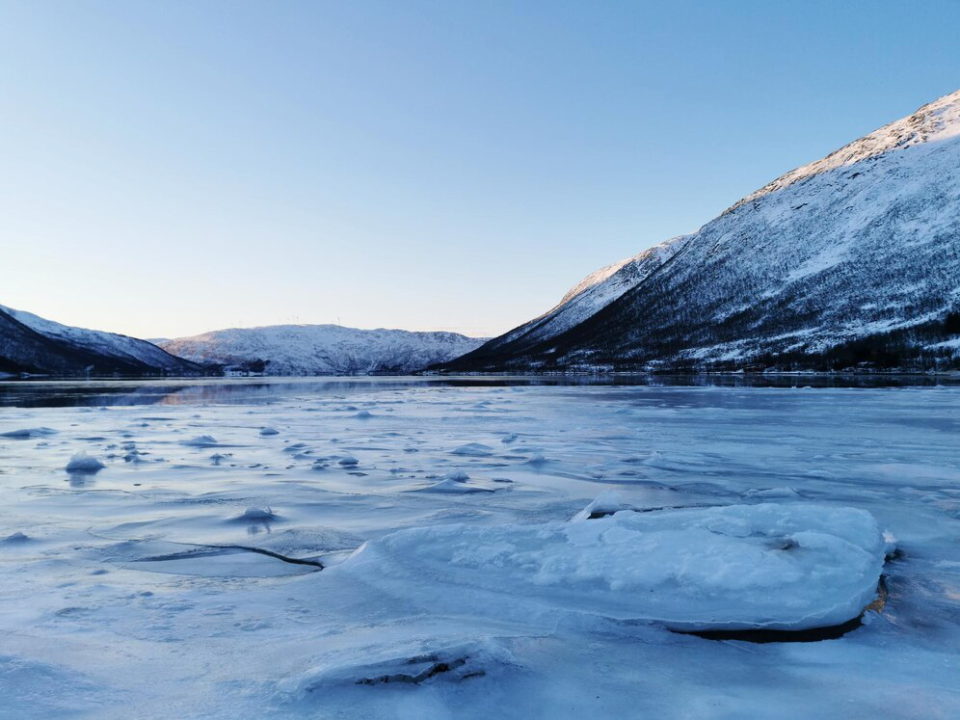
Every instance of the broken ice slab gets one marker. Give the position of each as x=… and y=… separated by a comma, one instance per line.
x=785, y=567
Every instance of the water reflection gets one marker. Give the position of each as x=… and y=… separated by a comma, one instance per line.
x=201, y=391
x=80, y=480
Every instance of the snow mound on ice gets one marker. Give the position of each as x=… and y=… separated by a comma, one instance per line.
x=785, y=567
x=83, y=463
x=269, y=431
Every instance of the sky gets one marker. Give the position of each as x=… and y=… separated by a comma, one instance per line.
x=169, y=168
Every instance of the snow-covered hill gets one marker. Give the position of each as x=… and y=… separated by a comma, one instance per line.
x=853, y=258
x=322, y=349
x=29, y=343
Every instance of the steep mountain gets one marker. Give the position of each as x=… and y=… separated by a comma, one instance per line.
x=29, y=343
x=322, y=349
x=586, y=298
x=853, y=259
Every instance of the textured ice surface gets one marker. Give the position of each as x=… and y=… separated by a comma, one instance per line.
x=148, y=590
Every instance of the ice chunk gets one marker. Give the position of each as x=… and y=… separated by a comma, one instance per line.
x=456, y=486
x=349, y=461
x=473, y=450
x=786, y=567
x=83, y=463
x=772, y=493
x=201, y=441
x=264, y=431
x=28, y=433
x=607, y=503
x=258, y=514
x=457, y=476
x=409, y=663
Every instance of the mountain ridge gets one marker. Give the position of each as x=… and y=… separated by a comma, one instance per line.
x=33, y=345
x=321, y=349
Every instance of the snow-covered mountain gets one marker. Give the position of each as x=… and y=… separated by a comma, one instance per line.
x=29, y=343
x=588, y=297
x=322, y=349
x=851, y=259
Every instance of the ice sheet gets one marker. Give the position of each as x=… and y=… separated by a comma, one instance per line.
x=172, y=584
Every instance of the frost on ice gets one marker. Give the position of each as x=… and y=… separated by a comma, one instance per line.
x=777, y=567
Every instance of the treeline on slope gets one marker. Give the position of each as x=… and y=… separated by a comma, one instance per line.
x=905, y=349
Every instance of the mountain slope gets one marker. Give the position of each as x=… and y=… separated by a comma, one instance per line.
x=855, y=256
x=29, y=343
x=117, y=349
x=322, y=349
x=585, y=299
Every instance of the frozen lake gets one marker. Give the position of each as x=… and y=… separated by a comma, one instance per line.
x=210, y=567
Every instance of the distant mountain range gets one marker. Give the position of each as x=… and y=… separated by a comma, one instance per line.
x=851, y=261
x=321, y=349
x=31, y=344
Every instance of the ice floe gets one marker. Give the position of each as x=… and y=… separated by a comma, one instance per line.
x=742, y=566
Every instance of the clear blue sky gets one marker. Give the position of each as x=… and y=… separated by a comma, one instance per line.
x=172, y=167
